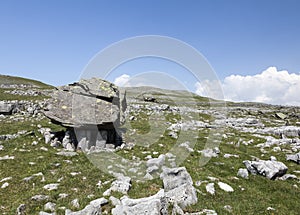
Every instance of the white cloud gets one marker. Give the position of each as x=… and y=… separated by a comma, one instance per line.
x=122, y=81
x=270, y=86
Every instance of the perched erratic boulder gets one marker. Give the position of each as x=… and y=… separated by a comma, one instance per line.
x=92, y=109
x=267, y=168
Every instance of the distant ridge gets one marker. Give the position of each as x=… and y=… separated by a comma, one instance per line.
x=10, y=80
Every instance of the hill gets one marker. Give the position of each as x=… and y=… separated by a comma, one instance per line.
x=240, y=158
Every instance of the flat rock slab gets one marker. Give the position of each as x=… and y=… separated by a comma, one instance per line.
x=269, y=169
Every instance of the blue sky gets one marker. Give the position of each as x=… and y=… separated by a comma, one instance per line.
x=52, y=41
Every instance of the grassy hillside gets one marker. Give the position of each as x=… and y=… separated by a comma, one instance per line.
x=78, y=177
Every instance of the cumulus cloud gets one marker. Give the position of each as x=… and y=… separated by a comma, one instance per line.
x=270, y=86
x=122, y=81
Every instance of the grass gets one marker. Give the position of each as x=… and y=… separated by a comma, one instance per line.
x=250, y=196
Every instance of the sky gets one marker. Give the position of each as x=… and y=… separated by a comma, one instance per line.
x=252, y=42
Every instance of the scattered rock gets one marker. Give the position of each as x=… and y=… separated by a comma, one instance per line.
x=295, y=158
x=51, y=187
x=243, y=173
x=5, y=185
x=67, y=153
x=269, y=169
x=280, y=115
x=49, y=206
x=7, y=157
x=75, y=203
x=210, y=188
x=178, y=186
x=149, y=206
x=21, y=209
x=39, y=198
x=225, y=187
x=94, y=208
x=287, y=177
x=210, y=153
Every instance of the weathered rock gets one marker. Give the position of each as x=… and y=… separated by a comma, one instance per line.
x=295, y=158
x=287, y=177
x=269, y=169
x=51, y=187
x=178, y=187
x=148, y=206
x=93, y=107
x=280, y=115
x=21, y=209
x=210, y=188
x=49, y=206
x=39, y=198
x=243, y=173
x=225, y=187
x=93, y=208
x=67, y=153
x=6, y=108
x=122, y=185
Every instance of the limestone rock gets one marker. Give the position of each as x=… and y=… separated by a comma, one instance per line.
x=225, y=187
x=243, y=173
x=178, y=186
x=295, y=158
x=269, y=169
x=147, y=206
x=210, y=188
x=21, y=209
x=49, y=206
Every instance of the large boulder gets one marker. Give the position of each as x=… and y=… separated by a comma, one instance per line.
x=87, y=102
x=91, y=110
x=270, y=168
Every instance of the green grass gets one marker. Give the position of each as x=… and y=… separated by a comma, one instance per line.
x=257, y=195
x=5, y=79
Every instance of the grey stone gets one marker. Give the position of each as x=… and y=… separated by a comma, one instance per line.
x=45, y=213
x=67, y=153
x=21, y=209
x=147, y=206
x=122, y=184
x=225, y=187
x=114, y=201
x=160, y=161
x=210, y=188
x=92, y=109
x=178, y=187
x=243, y=173
x=280, y=115
x=88, y=210
x=287, y=177
x=295, y=158
x=269, y=169
x=49, y=206
x=6, y=108
x=51, y=187
x=75, y=203
x=39, y=198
